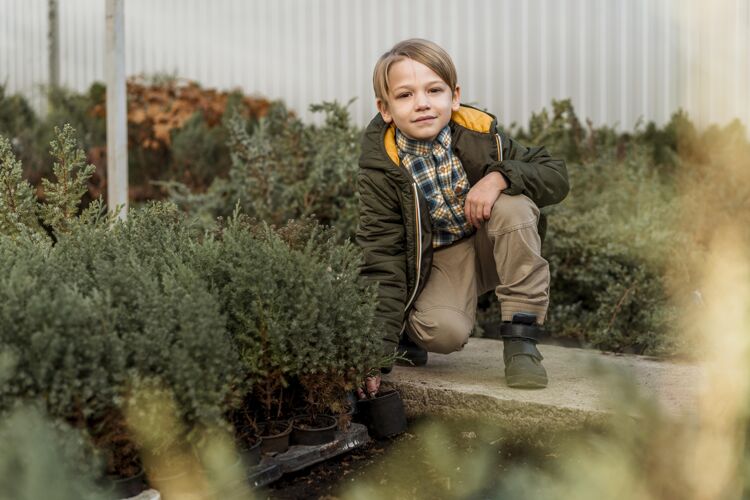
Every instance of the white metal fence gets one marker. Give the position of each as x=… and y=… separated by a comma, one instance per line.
x=619, y=60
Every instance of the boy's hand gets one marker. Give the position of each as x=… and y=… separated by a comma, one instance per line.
x=482, y=197
x=371, y=387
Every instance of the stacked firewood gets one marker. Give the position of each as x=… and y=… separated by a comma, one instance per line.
x=155, y=109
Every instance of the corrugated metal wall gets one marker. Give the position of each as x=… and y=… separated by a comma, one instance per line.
x=619, y=60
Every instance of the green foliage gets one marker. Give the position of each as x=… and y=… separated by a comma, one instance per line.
x=113, y=306
x=159, y=306
x=15, y=114
x=21, y=126
x=111, y=303
x=613, y=242
x=199, y=152
x=77, y=110
x=106, y=307
x=17, y=199
x=18, y=203
x=294, y=304
x=562, y=133
x=626, y=247
x=283, y=169
x=72, y=174
x=609, y=246
x=41, y=459
x=31, y=135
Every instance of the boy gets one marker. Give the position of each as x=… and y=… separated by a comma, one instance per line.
x=449, y=209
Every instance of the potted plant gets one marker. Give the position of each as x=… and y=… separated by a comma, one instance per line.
x=128, y=486
x=383, y=414
x=274, y=436
x=249, y=443
x=311, y=429
x=329, y=407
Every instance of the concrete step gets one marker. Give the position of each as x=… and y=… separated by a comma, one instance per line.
x=585, y=386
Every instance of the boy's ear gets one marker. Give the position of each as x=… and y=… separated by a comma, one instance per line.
x=383, y=108
x=456, y=102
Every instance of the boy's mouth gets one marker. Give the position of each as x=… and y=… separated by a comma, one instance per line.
x=424, y=118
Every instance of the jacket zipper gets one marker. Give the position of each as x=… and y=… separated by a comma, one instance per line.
x=419, y=245
x=499, y=143
x=418, y=220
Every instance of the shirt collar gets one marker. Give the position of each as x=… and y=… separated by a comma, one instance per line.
x=416, y=147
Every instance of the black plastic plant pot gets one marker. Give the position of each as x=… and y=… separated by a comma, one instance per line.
x=383, y=415
x=274, y=436
x=313, y=431
x=248, y=442
x=252, y=453
x=127, y=487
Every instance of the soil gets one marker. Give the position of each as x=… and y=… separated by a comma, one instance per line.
x=275, y=428
x=311, y=424
x=433, y=459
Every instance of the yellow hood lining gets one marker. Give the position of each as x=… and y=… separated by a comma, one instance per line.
x=390, y=144
x=473, y=119
x=469, y=118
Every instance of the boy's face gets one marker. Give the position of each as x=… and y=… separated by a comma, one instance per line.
x=420, y=103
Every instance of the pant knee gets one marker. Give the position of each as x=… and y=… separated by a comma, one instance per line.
x=440, y=330
x=512, y=212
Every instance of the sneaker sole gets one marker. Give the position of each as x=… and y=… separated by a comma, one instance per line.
x=526, y=382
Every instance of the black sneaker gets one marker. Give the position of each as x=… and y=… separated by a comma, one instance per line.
x=415, y=355
x=523, y=361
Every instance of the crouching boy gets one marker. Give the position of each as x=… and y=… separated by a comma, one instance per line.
x=449, y=209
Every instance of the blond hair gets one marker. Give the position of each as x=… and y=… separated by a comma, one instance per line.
x=423, y=51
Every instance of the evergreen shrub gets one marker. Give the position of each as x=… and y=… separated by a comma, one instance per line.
x=283, y=169
x=111, y=305
x=626, y=246
x=100, y=309
x=199, y=153
x=610, y=246
x=295, y=308
x=104, y=309
x=195, y=151
x=31, y=134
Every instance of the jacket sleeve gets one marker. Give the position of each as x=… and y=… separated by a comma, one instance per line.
x=382, y=236
x=531, y=171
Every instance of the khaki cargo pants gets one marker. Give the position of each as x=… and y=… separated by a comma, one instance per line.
x=505, y=255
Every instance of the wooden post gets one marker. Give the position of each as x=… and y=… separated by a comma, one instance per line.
x=53, y=43
x=117, y=124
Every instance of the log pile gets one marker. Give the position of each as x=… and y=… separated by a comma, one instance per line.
x=154, y=110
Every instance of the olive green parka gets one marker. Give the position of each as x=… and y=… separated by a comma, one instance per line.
x=394, y=229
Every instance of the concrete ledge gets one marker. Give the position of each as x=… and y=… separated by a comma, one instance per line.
x=471, y=383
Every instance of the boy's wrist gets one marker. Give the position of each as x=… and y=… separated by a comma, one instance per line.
x=502, y=181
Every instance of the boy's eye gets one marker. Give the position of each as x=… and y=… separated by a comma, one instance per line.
x=436, y=90
x=402, y=95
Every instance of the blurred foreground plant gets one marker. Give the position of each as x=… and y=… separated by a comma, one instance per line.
x=42, y=460
x=627, y=245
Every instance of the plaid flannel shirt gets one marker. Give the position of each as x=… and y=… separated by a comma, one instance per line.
x=442, y=180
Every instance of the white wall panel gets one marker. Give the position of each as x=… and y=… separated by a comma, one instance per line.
x=619, y=60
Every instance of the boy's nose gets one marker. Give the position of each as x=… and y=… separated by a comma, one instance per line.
x=422, y=102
